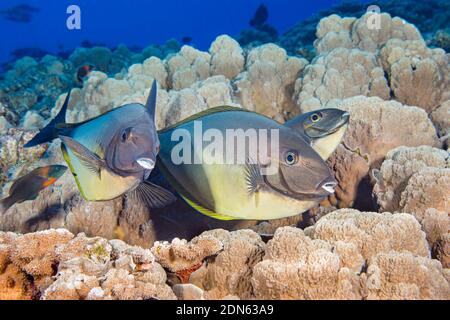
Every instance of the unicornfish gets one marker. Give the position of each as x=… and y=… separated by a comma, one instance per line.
x=112, y=154
x=323, y=129
x=298, y=179
x=28, y=187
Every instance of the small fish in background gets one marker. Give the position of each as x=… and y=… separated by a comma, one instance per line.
x=260, y=16
x=28, y=187
x=112, y=154
x=186, y=40
x=84, y=71
x=22, y=13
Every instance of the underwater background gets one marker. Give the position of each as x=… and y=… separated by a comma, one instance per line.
x=383, y=234
x=139, y=23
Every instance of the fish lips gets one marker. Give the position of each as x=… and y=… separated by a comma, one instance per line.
x=146, y=163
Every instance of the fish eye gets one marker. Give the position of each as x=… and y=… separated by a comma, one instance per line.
x=316, y=117
x=124, y=136
x=291, y=158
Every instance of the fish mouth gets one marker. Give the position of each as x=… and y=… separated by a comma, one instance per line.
x=318, y=195
x=146, y=163
x=328, y=184
x=329, y=187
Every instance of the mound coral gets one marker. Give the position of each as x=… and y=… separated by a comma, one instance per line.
x=328, y=260
x=339, y=74
x=228, y=273
x=417, y=75
x=417, y=181
x=336, y=32
x=373, y=131
x=268, y=82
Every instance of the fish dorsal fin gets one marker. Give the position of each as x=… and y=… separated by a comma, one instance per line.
x=202, y=114
x=206, y=211
x=151, y=100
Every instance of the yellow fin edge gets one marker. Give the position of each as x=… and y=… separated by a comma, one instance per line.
x=69, y=163
x=207, y=212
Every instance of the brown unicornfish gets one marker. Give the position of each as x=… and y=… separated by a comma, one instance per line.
x=28, y=187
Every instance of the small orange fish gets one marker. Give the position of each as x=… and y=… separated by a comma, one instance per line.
x=28, y=187
x=84, y=71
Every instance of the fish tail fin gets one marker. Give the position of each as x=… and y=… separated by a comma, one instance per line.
x=51, y=131
x=5, y=204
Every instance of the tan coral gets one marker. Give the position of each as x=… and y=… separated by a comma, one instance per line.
x=402, y=275
x=227, y=57
x=179, y=254
x=14, y=156
x=267, y=84
x=339, y=74
x=213, y=92
x=336, y=32
x=34, y=252
x=141, y=76
x=418, y=75
x=230, y=271
x=398, y=167
x=187, y=67
x=428, y=188
x=441, y=119
x=373, y=130
x=56, y=265
x=416, y=180
x=372, y=232
x=296, y=267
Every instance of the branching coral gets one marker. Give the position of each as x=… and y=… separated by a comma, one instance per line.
x=61, y=266
x=180, y=255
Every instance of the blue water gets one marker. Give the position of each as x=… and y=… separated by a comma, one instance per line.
x=144, y=22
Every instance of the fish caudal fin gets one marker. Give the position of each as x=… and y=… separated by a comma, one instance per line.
x=50, y=132
x=5, y=204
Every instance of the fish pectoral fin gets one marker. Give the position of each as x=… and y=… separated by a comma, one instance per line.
x=253, y=177
x=153, y=195
x=88, y=158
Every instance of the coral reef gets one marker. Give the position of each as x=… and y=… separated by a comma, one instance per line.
x=394, y=159
x=55, y=264
x=373, y=131
x=340, y=74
